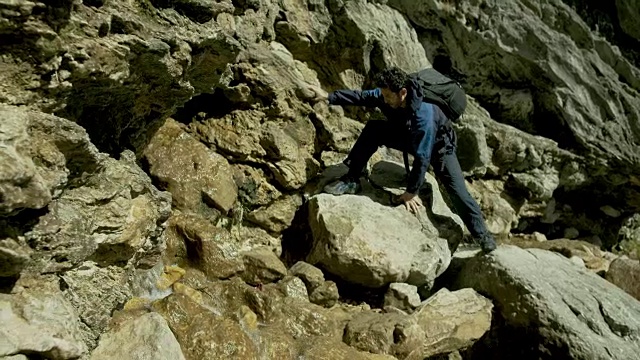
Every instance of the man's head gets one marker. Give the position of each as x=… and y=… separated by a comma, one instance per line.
x=393, y=83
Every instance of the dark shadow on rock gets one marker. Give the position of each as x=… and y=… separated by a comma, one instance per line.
x=297, y=239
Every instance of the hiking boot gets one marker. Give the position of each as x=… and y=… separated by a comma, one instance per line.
x=487, y=243
x=345, y=185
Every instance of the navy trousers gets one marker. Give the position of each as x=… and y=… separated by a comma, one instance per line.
x=443, y=160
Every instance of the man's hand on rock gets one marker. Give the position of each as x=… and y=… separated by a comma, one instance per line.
x=315, y=94
x=411, y=201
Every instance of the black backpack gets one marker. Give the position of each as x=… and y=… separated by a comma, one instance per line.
x=442, y=91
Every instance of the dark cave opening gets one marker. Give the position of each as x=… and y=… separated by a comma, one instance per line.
x=199, y=107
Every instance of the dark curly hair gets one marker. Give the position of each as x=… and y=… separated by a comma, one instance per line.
x=393, y=79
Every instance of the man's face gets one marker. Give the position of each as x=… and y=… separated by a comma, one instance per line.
x=393, y=99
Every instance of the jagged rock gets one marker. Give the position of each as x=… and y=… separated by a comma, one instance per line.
x=393, y=334
x=95, y=292
x=444, y=323
x=24, y=140
x=402, y=296
x=293, y=287
x=114, y=217
x=102, y=209
x=278, y=216
x=367, y=243
x=37, y=319
x=311, y=275
x=145, y=337
x=262, y=266
x=629, y=237
x=561, y=308
x=325, y=295
x=196, y=177
x=253, y=186
x=390, y=41
x=205, y=246
x=473, y=153
x=335, y=131
x=253, y=237
x=625, y=273
x=14, y=256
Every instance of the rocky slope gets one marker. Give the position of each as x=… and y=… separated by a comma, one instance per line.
x=160, y=163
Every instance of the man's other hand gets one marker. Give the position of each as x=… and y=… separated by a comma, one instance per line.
x=411, y=201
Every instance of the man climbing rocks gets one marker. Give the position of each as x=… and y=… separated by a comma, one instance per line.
x=419, y=128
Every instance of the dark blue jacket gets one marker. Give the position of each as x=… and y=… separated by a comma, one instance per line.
x=420, y=118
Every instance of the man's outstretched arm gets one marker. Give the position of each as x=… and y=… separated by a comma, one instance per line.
x=370, y=98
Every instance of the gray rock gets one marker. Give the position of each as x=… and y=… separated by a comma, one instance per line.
x=311, y=275
x=147, y=337
x=115, y=217
x=293, y=286
x=326, y=294
x=568, y=309
x=437, y=217
x=370, y=244
x=629, y=236
x=14, y=257
x=402, y=296
x=473, y=153
x=95, y=293
x=262, y=266
x=625, y=9
x=40, y=154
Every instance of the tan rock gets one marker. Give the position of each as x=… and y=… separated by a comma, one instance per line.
x=325, y=295
x=451, y=321
x=625, y=273
x=253, y=186
x=207, y=247
x=402, y=296
x=203, y=334
x=262, y=266
x=293, y=287
x=196, y=176
x=322, y=348
x=170, y=275
x=311, y=275
x=278, y=216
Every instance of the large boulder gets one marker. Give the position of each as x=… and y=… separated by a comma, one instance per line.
x=553, y=308
x=371, y=244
